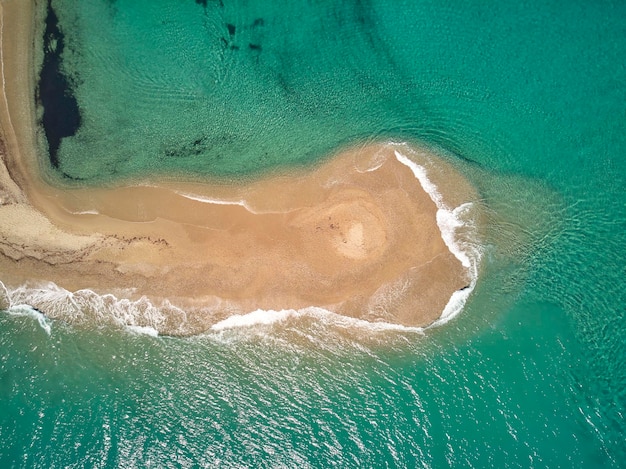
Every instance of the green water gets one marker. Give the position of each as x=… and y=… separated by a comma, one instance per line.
x=527, y=97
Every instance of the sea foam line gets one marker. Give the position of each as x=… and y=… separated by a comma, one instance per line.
x=210, y=200
x=49, y=302
x=242, y=203
x=86, y=212
x=448, y=220
x=22, y=310
x=213, y=201
x=133, y=316
x=262, y=317
x=143, y=330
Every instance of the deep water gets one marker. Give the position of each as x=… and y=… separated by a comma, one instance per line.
x=527, y=98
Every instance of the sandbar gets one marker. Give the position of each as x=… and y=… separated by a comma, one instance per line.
x=356, y=234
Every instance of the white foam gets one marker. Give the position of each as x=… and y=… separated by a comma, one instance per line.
x=241, y=203
x=143, y=330
x=449, y=220
x=5, y=298
x=86, y=212
x=454, y=307
x=420, y=173
x=254, y=318
x=375, y=167
x=211, y=200
x=269, y=317
x=138, y=316
x=29, y=311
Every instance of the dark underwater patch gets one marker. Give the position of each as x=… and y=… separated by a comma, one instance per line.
x=61, y=114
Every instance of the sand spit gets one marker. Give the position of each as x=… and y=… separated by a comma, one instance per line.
x=357, y=235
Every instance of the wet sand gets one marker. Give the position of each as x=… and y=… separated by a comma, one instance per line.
x=356, y=234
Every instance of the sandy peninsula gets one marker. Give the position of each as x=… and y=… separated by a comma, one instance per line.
x=357, y=235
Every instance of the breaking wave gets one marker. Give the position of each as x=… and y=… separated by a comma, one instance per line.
x=464, y=246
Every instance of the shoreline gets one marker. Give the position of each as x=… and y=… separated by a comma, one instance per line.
x=357, y=235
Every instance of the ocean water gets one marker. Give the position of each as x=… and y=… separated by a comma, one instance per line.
x=526, y=98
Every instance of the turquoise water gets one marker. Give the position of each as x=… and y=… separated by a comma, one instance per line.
x=526, y=97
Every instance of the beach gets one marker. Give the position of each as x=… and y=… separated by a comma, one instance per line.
x=356, y=234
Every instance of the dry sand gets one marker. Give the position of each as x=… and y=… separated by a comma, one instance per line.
x=356, y=234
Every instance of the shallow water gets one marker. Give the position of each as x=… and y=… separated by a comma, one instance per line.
x=526, y=98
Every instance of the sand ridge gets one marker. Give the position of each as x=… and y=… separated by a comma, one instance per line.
x=357, y=234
